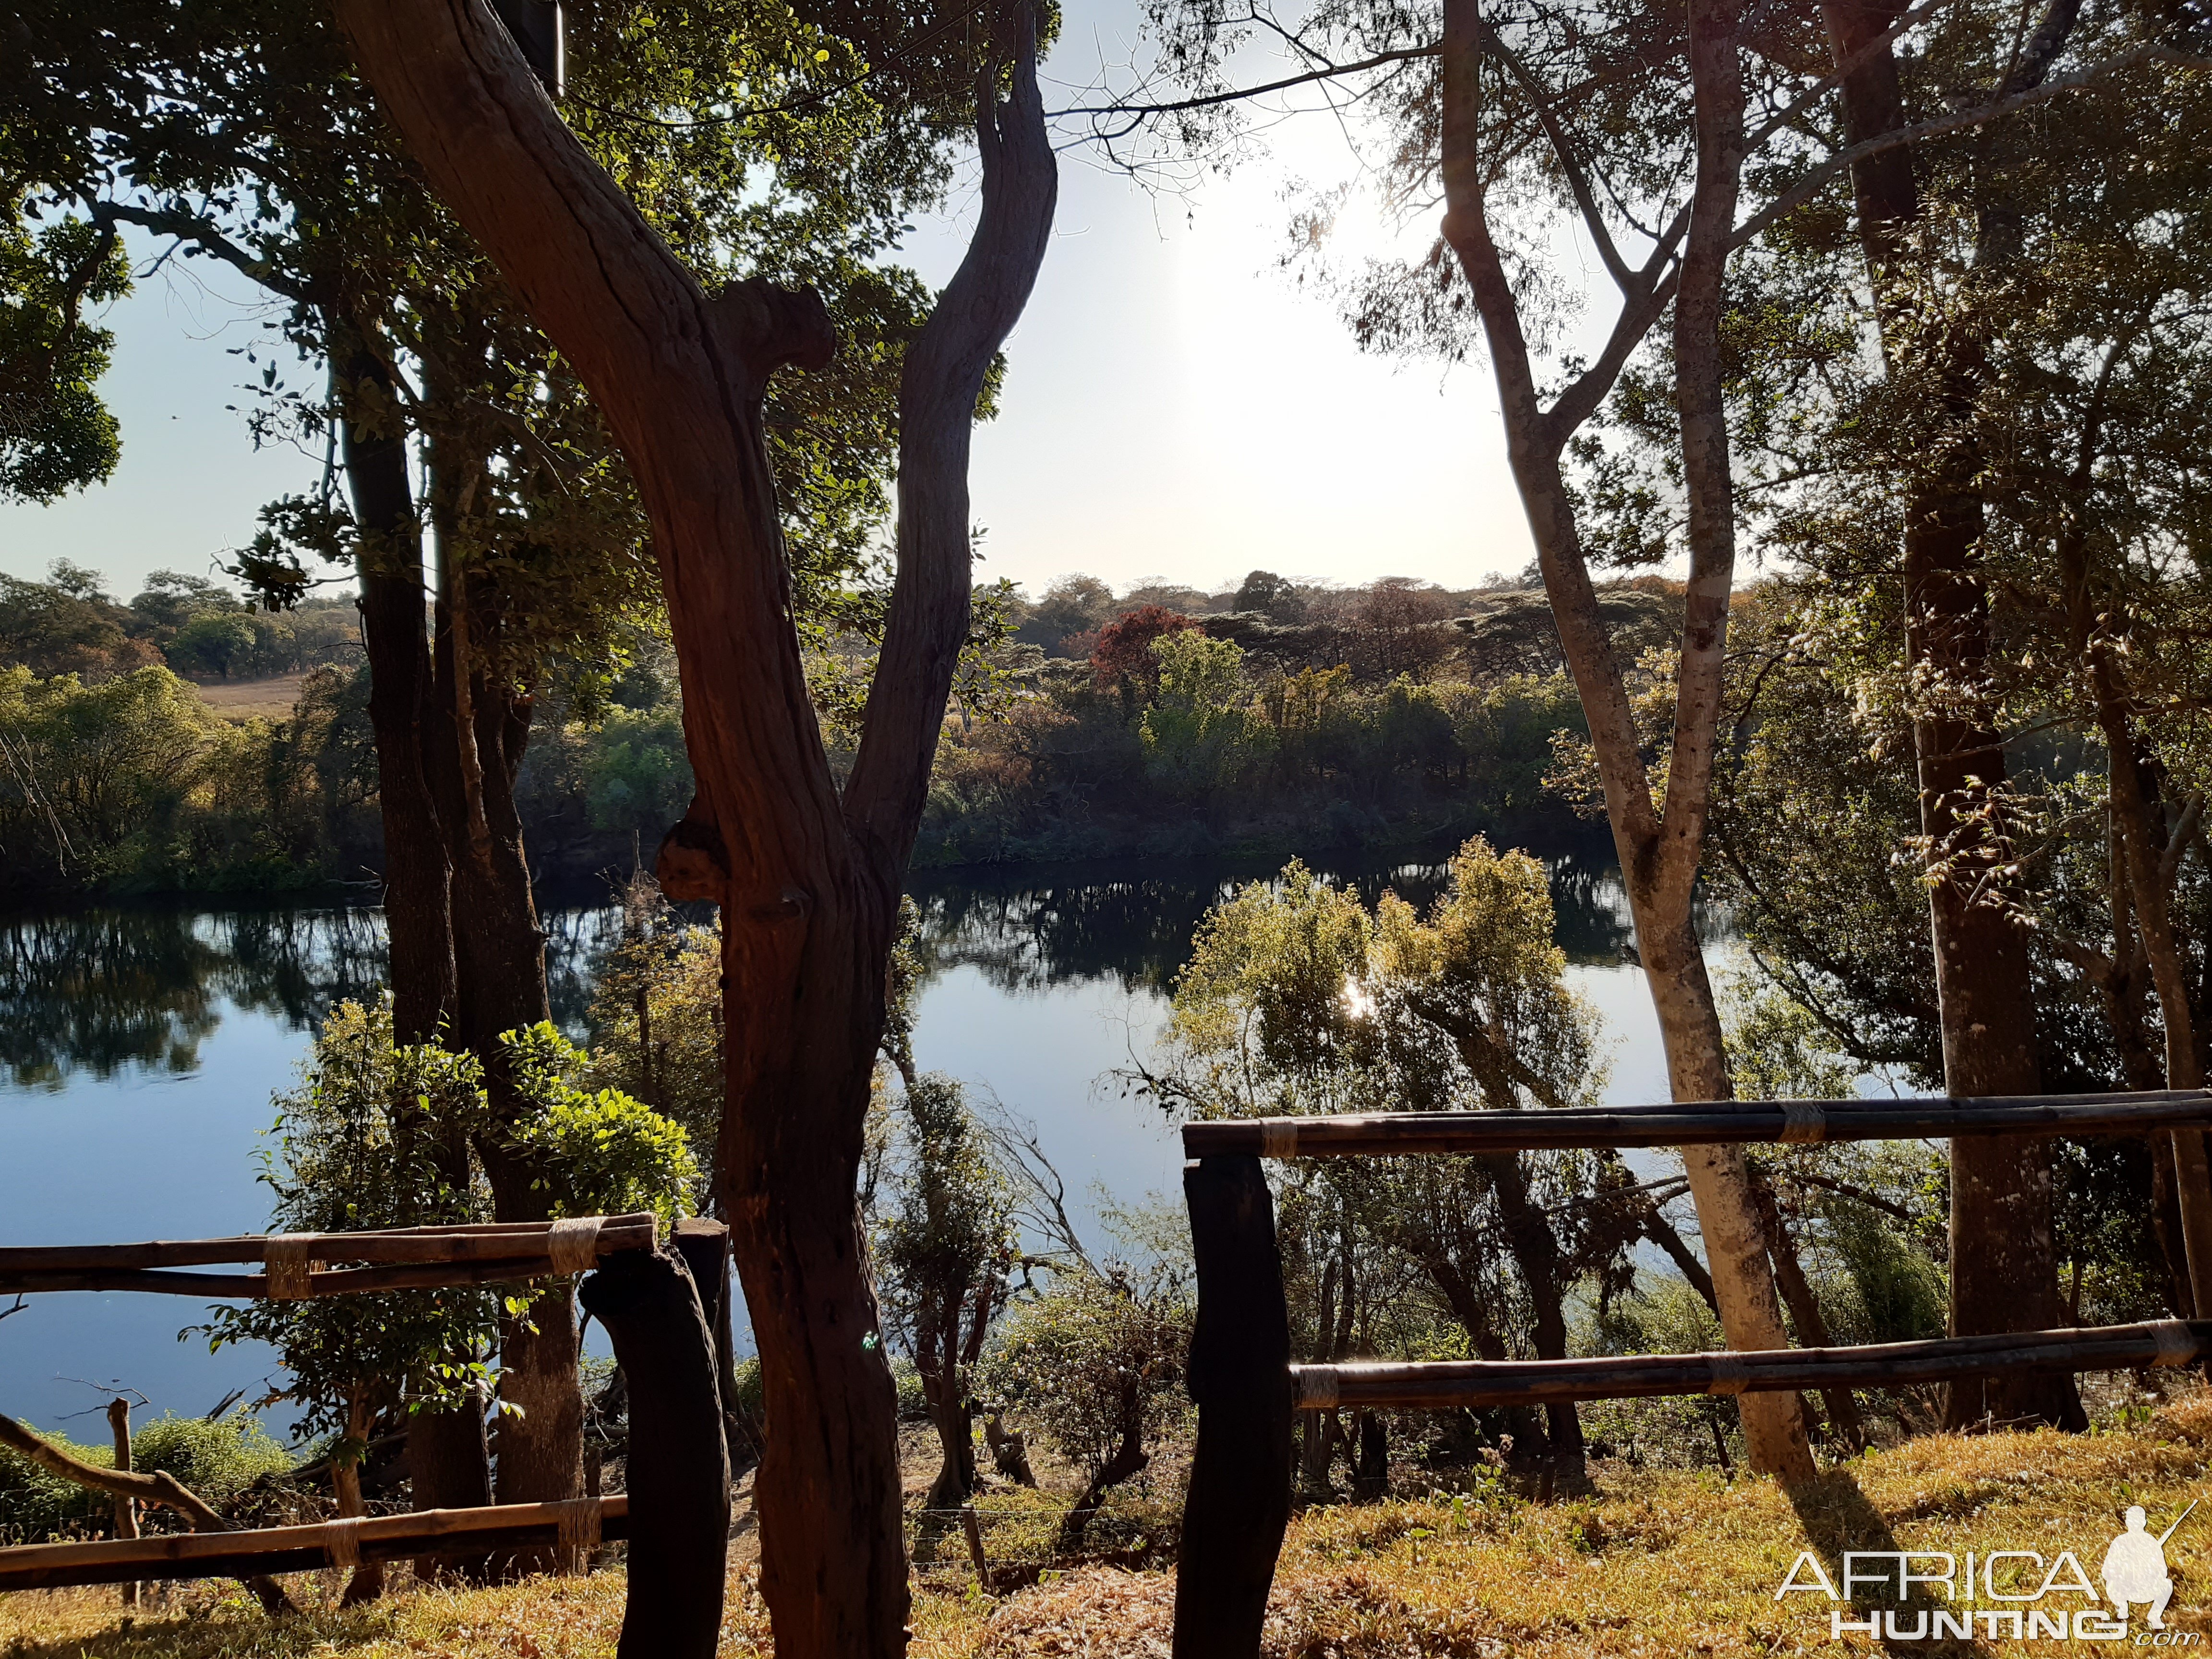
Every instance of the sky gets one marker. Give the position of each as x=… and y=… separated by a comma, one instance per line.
x=1176, y=406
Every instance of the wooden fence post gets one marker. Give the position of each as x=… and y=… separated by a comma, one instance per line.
x=126, y=1507
x=1239, y=1502
x=679, y=1471
x=705, y=1247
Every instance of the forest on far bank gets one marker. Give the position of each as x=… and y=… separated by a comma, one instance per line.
x=1272, y=718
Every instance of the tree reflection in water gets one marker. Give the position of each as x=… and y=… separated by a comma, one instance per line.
x=1028, y=929
x=107, y=991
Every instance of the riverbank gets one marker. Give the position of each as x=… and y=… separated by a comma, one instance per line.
x=1654, y=1563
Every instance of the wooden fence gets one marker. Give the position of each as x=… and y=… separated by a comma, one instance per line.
x=662, y=1309
x=1247, y=1390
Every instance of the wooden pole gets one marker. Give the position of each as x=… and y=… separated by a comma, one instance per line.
x=401, y=1257
x=1456, y=1384
x=705, y=1247
x=126, y=1507
x=305, y=1549
x=1697, y=1123
x=1239, y=1501
x=159, y=1487
x=678, y=1470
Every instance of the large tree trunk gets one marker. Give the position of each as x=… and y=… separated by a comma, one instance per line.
x=449, y=1464
x=808, y=883
x=1659, y=854
x=2004, y=1267
x=418, y=878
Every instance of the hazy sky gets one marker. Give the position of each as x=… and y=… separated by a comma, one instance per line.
x=1175, y=405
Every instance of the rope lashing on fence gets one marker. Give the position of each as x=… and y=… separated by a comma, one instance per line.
x=580, y=1526
x=1729, y=1374
x=1315, y=1387
x=573, y=1244
x=1278, y=1137
x=1803, y=1122
x=290, y=1260
x=2177, y=1345
x=343, y=1540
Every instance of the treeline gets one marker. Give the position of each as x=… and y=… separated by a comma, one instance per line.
x=122, y=781
x=1274, y=717
x=192, y=626
x=1298, y=719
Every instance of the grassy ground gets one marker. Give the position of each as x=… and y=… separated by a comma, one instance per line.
x=242, y=699
x=1673, y=1564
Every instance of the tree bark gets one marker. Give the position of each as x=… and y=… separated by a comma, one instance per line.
x=366, y=1583
x=448, y=1454
x=808, y=883
x=1844, y=1420
x=1659, y=854
x=2004, y=1266
x=417, y=878
x=126, y=1507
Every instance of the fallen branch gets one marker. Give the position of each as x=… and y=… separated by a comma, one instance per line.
x=156, y=1486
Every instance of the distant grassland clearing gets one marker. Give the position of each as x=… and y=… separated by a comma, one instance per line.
x=1659, y=1563
x=269, y=699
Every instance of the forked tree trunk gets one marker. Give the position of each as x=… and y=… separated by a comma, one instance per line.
x=2004, y=1266
x=808, y=883
x=1659, y=854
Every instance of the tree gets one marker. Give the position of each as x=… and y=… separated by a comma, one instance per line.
x=1298, y=999
x=1122, y=657
x=56, y=435
x=359, y=1149
x=1096, y=1362
x=808, y=879
x=945, y=1244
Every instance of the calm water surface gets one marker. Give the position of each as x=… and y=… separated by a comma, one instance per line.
x=139, y=1049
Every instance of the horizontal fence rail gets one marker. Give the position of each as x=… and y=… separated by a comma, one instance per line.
x=1453, y=1384
x=299, y=1265
x=581, y=1523
x=1697, y=1123
x=1247, y=1392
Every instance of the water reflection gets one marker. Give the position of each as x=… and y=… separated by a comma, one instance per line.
x=143, y=991
x=1028, y=930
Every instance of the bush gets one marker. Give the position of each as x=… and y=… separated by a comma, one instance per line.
x=217, y=1460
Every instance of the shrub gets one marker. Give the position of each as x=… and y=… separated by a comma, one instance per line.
x=218, y=1461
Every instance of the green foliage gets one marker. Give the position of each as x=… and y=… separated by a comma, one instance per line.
x=1350, y=727
x=944, y=1230
x=597, y=1152
x=1777, y=1051
x=374, y=1137
x=1091, y=1356
x=55, y=434
x=216, y=1460
x=132, y=784
x=656, y=1015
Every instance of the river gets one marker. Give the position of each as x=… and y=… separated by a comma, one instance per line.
x=139, y=1049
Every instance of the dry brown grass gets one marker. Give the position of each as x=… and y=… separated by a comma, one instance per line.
x=247, y=699
x=1674, y=1563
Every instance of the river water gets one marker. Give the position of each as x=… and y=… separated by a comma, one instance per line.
x=139, y=1050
